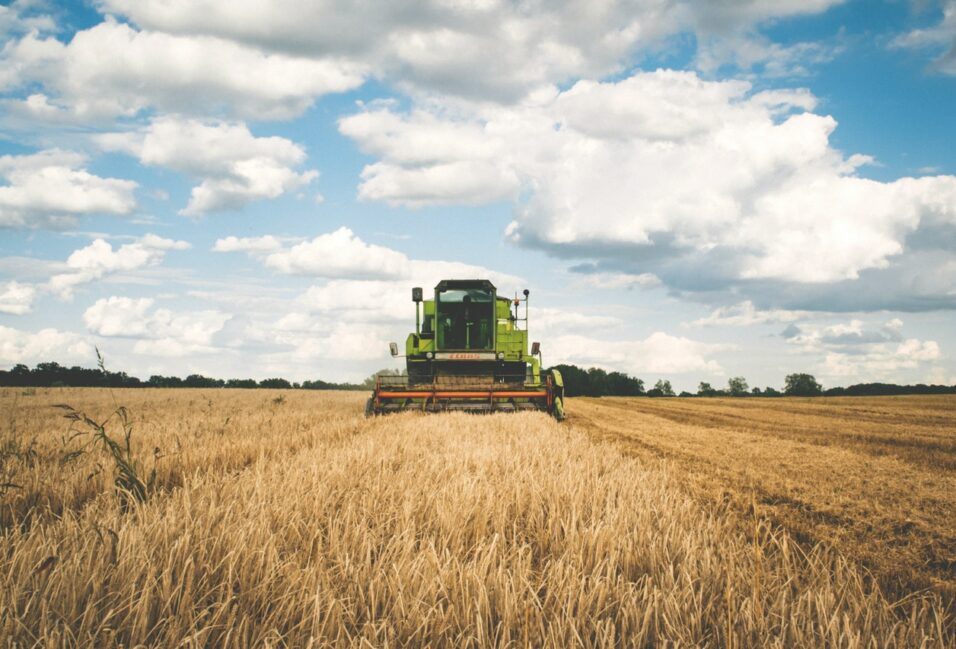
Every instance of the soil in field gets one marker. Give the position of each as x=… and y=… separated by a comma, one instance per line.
x=873, y=477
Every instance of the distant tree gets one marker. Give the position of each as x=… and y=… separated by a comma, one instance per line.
x=274, y=383
x=241, y=383
x=664, y=387
x=159, y=381
x=82, y=376
x=883, y=389
x=757, y=392
x=595, y=382
x=621, y=385
x=685, y=393
x=325, y=385
x=802, y=385
x=200, y=381
x=20, y=369
x=771, y=392
x=47, y=373
x=705, y=389
x=737, y=386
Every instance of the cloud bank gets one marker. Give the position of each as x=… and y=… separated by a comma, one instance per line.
x=663, y=173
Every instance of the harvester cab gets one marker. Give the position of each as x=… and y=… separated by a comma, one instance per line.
x=469, y=352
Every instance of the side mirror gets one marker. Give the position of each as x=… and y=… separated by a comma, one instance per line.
x=535, y=348
x=393, y=347
x=417, y=294
x=526, y=293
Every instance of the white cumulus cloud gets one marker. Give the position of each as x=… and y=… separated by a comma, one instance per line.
x=342, y=254
x=659, y=353
x=670, y=168
x=30, y=347
x=112, y=69
x=356, y=301
x=440, y=46
x=16, y=298
x=859, y=351
x=52, y=188
x=98, y=259
x=881, y=362
x=160, y=332
x=235, y=166
x=339, y=254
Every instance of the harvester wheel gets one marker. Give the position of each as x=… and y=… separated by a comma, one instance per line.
x=559, y=408
x=369, y=407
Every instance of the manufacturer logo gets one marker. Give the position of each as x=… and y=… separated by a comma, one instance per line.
x=465, y=356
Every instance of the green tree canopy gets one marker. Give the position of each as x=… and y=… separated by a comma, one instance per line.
x=595, y=382
x=738, y=386
x=802, y=385
x=274, y=383
x=664, y=388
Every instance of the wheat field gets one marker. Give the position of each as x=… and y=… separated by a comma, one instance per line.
x=873, y=477
x=285, y=518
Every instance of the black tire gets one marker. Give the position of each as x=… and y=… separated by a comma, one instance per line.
x=369, y=407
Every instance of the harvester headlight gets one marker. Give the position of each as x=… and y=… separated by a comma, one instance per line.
x=501, y=356
x=429, y=355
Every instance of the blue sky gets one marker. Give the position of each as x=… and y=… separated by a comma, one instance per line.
x=690, y=190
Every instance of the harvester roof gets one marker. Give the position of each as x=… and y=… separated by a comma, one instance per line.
x=459, y=284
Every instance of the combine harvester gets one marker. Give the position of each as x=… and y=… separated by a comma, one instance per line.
x=469, y=353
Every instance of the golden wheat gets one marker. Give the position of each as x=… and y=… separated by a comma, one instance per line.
x=299, y=523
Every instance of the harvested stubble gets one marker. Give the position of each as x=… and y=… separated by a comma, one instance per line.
x=873, y=477
x=456, y=530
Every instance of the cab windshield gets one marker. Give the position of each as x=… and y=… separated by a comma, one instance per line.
x=465, y=318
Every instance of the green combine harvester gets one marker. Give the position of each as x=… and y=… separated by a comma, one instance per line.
x=469, y=353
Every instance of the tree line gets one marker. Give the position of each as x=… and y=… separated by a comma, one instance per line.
x=56, y=375
x=595, y=382
x=591, y=382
